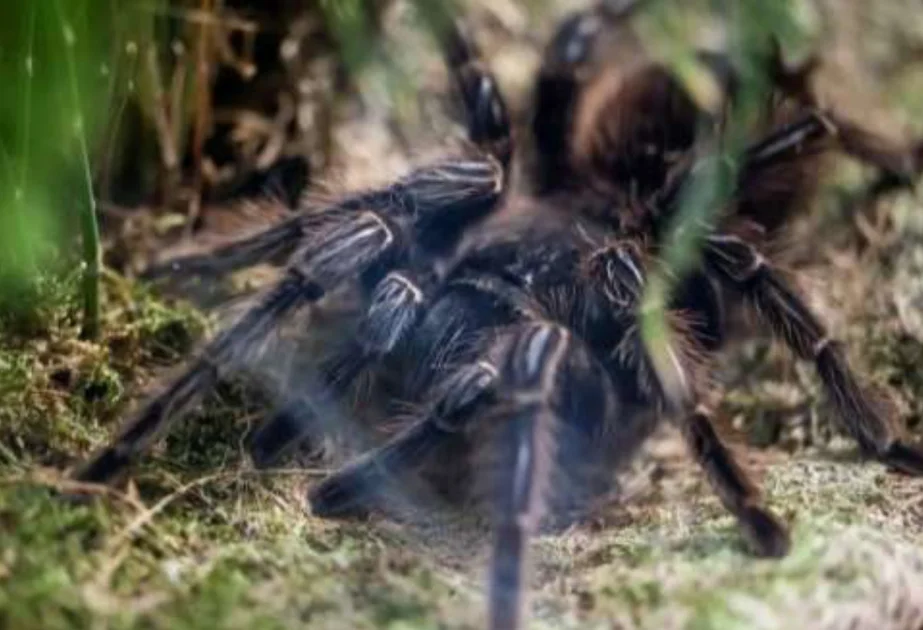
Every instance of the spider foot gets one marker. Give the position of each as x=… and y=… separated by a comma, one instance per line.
x=906, y=458
x=765, y=534
x=347, y=493
x=281, y=433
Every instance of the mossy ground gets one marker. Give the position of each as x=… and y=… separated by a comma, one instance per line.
x=201, y=540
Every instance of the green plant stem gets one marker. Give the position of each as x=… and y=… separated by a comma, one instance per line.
x=19, y=187
x=88, y=225
x=708, y=190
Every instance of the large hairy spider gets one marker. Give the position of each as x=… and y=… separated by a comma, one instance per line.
x=512, y=318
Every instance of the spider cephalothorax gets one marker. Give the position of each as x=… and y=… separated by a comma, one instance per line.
x=512, y=318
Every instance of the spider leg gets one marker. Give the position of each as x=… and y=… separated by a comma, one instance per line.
x=550, y=383
x=780, y=171
x=899, y=165
x=531, y=370
x=789, y=140
x=618, y=270
x=443, y=187
x=431, y=207
x=817, y=126
x=449, y=335
x=765, y=534
x=353, y=487
x=581, y=66
x=279, y=240
x=525, y=399
x=488, y=120
x=354, y=244
x=780, y=168
x=740, y=266
x=396, y=305
x=557, y=91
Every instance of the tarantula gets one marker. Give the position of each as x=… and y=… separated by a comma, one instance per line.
x=513, y=317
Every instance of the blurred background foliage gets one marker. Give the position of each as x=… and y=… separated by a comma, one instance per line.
x=187, y=105
x=133, y=86
x=154, y=91
x=183, y=105
x=173, y=103
x=46, y=49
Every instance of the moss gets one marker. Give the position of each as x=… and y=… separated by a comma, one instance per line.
x=199, y=540
x=35, y=307
x=57, y=393
x=206, y=542
x=680, y=564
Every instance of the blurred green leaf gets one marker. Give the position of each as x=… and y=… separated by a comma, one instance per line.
x=61, y=62
x=751, y=26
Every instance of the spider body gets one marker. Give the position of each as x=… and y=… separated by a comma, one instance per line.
x=513, y=319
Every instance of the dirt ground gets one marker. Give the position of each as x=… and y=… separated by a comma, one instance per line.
x=202, y=540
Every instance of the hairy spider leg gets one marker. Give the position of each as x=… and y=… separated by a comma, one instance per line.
x=619, y=270
x=807, y=133
x=446, y=200
x=780, y=170
x=763, y=531
x=868, y=420
x=452, y=370
x=487, y=116
x=360, y=484
x=532, y=401
x=198, y=378
x=395, y=306
x=489, y=128
x=554, y=390
x=898, y=165
x=566, y=61
x=280, y=240
x=556, y=94
x=354, y=244
x=422, y=211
